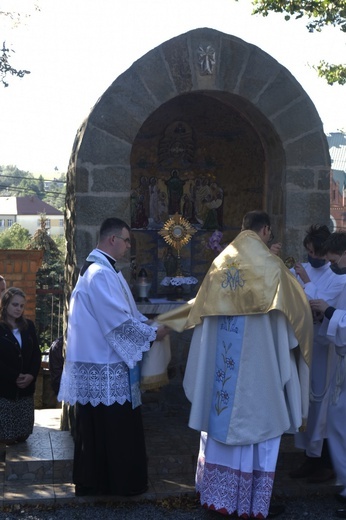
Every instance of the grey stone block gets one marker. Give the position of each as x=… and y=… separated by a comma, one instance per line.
x=99, y=147
x=304, y=209
x=308, y=151
x=92, y=210
x=176, y=54
x=111, y=115
x=234, y=54
x=299, y=120
x=279, y=93
x=323, y=180
x=260, y=71
x=155, y=75
x=81, y=181
x=300, y=179
x=110, y=179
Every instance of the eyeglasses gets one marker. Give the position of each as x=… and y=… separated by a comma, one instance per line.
x=126, y=240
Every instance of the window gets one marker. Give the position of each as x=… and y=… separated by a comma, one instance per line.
x=61, y=222
x=9, y=222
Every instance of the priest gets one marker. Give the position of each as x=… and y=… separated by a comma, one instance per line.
x=106, y=339
x=247, y=372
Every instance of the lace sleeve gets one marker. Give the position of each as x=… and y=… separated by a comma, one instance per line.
x=130, y=340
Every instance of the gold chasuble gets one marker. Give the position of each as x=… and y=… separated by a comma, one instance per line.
x=247, y=279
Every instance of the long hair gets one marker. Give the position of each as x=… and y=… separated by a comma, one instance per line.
x=5, y=301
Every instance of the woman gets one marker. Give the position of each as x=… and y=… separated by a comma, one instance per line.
x=20, y=360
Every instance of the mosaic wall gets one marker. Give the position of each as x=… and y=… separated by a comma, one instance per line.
x=192, y=160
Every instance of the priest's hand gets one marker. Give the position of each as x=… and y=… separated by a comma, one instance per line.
x=161, y=332
x=276, y=248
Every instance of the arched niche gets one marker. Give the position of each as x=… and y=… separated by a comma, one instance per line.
x=200, y=156
x=220, y=78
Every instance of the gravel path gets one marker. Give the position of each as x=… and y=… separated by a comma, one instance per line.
x=316, y=508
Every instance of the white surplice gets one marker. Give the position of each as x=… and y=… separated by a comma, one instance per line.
x=106, y=338
x=325, y=285
x=336, y=332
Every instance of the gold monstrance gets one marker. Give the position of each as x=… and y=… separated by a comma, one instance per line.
x=177, y=232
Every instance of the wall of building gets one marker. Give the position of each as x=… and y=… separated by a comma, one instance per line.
x=33, y=222
x=19, y=268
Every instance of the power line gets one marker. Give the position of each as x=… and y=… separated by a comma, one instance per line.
x=14, y=188
x=31, y=178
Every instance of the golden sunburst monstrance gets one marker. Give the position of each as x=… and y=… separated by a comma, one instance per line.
x=177, y=232
x=290, y=262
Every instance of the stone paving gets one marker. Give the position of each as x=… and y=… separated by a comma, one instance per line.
x=40, y=470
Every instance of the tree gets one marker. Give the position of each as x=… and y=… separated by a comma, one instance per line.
x=16, y=18
x=6, y=68
x=49, y=283
x=10, y=179
x=321, y=13
x=18, y=183
x=15, y=237
x=55, y=193
x=27, y=186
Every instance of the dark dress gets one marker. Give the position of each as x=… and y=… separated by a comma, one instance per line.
x=17, y=404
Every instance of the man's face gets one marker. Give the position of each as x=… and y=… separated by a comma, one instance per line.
x=121, y=243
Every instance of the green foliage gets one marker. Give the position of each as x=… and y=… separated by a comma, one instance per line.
x=29, y=187
x=14, y=182
x=6, y=69
x=15, y=237
x=49, y=283
x=332, y=73
x=18, y=183
x=320, y=14
x=55, y=194
x=60, y=241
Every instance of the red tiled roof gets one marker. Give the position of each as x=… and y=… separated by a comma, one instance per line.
x=29, y=205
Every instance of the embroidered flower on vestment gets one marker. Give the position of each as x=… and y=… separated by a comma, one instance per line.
x=224, y=396
x=222, y=376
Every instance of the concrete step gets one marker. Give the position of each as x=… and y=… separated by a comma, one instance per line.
x=46, y=457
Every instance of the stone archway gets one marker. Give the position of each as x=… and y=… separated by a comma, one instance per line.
x=222, y=69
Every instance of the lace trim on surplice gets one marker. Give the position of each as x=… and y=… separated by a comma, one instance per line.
x=90, y=382
x=130, y=340
x=231, y=491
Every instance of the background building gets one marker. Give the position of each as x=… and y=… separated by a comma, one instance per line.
x=337, y=150
x=27, y=212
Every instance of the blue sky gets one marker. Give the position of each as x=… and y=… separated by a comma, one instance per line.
x=76, y=48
